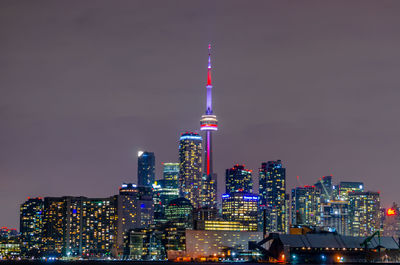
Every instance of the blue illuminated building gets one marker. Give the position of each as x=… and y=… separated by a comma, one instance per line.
x=146, y=168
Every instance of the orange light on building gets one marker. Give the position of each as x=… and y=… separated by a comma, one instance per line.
x=390, y=212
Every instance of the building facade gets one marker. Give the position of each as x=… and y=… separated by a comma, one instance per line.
x=345, y=187
x=335, y=215
x=73, y=226
x=31, y=224
x=241, y=207
x=305, y=206
x=324, y=185
x=135, y=209
x=238, y=179
x=190, y=172
x=170, y=176
x=146, y=168
x=272, y=190
x=364, y=209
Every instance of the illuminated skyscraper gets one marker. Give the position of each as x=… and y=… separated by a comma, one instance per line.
x=190, y=177
x=146, y=168
x=238, y=179
x=209, y=124
x=346, y=187
x=161, y=197
x=54, y=225
x=364, y=212
x=165, y=190
x=241, y=207
x=335, y=214
x=135, y=209
x=306, y=206
x=31, y=223
x=75, y=226
x=170, y=176
x=272, y=189
x=99, y=226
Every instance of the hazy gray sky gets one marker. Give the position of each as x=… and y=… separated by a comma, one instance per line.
x=86, y=84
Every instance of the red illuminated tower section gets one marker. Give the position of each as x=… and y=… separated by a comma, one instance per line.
x=209, y=124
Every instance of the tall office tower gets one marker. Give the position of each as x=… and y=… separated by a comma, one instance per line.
x=241, y=207
x=209, y=124
x=162, y=195
x=135, y=209
x=324, y=185
x=346, y=187
x=306, y=206
x=238, y=179
x=364, y=209
x=180, y=213
x=170, y=176
x=335, y=215
x=272, y=190
x=190, y=177
x=146, y=168
x=31, y=224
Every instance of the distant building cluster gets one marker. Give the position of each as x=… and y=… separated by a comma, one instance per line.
x=178, y=217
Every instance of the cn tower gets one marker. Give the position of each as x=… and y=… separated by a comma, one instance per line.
x=209, y=124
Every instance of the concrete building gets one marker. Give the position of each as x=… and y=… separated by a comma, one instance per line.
x=205, y=243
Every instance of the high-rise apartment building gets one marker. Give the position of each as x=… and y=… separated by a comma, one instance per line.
x=306, y=206
x=76, y=226
x=238, y=179
x=31, y=224
x=272, y=190
x=190, y=162
x=146, y=168
x=99, y=226
x=170, y=176
x=364, y=211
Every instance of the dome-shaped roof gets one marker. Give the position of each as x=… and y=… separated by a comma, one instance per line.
x=180, y=202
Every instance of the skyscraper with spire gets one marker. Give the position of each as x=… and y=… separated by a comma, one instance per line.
x=209, y=124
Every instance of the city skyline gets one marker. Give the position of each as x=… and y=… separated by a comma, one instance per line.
x=59, y=137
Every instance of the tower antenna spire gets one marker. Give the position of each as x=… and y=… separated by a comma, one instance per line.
x=209, y=66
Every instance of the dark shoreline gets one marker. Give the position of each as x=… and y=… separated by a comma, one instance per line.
x=86, y=262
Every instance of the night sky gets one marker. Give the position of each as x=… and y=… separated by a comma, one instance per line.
x=86, y=84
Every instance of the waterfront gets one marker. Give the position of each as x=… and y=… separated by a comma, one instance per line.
x=118, y=262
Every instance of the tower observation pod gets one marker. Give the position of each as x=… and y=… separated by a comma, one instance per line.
x=209, y=121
